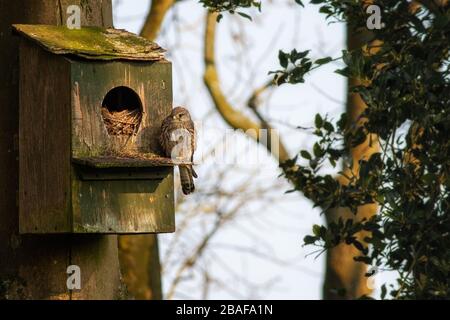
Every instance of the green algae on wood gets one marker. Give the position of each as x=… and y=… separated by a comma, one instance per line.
x=128, y=162
x=92, y=42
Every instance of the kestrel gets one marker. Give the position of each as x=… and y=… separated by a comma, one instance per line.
x=178, y=142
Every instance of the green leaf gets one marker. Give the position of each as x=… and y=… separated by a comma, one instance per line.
x=347, y=57
x=318, y=152
x=316, y=230
x=383, y=291
x=280, y=78
x=309, y=239
x=295, y=56
x=323, y=60
x=300, y=3
x=328, y=126
x=332, y=162
x=283, y=57
x=326, y=9
x=305, y=154
x=342, y=122
x=242, y=14
x=318, y=121
x=313, y=163
x=343, y=72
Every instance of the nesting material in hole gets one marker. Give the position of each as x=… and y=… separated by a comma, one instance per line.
x=122, y=111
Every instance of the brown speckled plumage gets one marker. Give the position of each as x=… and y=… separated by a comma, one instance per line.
x=174, y=129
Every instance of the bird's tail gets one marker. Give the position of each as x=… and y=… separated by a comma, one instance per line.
x=187, y=180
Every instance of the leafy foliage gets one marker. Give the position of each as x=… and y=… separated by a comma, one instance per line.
x=404, y=81
x=295, y=66
x=231, y=6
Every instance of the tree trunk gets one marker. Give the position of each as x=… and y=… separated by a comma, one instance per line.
x=34, y=267
x=141, y=270
x=344, y=278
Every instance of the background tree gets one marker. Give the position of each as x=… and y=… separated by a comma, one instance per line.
x=404, y=72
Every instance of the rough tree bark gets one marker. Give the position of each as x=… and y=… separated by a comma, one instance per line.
x=342, y=272
x=34, y=267
x=141, y=269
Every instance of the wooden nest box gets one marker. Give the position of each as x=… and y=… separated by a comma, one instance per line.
x=91, y=105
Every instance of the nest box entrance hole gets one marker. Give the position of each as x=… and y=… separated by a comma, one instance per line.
x=122, y=111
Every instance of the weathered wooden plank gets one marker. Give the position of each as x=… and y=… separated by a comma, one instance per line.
x=124, y=206
x=92, y=42
x=90, y=84
x=122, y=162
x=44, y=141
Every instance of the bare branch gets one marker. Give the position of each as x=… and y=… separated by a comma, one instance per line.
x=155, y=18
x=233, y=117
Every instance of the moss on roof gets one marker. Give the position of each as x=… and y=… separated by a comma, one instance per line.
x=92, y=42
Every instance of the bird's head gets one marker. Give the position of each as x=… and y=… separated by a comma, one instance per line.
x=180, y=114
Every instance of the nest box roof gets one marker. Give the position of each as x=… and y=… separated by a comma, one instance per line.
x=92, y=42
